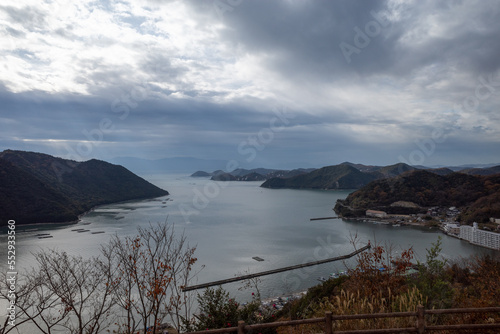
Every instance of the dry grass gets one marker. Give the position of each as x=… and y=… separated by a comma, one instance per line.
x=354, y=303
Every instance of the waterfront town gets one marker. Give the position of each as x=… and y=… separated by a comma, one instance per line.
x=485, y=235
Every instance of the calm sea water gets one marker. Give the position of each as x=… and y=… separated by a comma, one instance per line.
x=231, y=222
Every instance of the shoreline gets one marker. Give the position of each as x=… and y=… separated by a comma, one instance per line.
x=79, y=216
x=386, y=222
x=439, y=228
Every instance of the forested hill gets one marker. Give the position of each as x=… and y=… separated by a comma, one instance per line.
x=39, y=188
x=478, y=197
x=343, y=176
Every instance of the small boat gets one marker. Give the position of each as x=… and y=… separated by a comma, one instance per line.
x=334, y=275
x=322, y=279
x=45, y=236
x=42, y=234
x=82, y=231
x=97, y=232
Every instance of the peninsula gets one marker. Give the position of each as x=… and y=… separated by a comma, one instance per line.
x=463, y=197
x=39, y=188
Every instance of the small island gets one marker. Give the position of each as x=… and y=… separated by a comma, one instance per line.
x=201, y=173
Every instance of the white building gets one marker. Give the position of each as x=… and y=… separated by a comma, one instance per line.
x=375, y=213
x=451, y=229
x=495, y=220
x=480, y=237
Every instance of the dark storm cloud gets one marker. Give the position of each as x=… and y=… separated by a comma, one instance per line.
x=304, y=36
x=41, y=117
x=467, y=38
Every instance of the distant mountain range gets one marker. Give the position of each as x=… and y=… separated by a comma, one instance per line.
x=331, y=177
x=462, y=167
x=481, y=171
x=192, y=164
x=477, y=196
x=39, y=188
x=346, y=175
x=168, y=165
x=354, y=176
x=256, y=174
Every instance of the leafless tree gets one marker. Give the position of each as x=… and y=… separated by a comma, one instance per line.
x=135, y=284
x=65, y=292
x=31, y=302
x=153, y=267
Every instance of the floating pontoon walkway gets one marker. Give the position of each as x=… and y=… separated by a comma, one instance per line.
x=275, y=271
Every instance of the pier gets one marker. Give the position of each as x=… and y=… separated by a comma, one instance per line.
x=275, y=271
x=325, y=218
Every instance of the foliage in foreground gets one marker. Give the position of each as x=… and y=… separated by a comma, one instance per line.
x=380, y=283
x=133, y=285
x=136, y=284
x=218, y=310
x=350, y=303
x=436, y=284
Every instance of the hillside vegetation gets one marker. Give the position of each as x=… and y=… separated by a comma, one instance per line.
x=344, y=176
x=381, y=282
x=39, y=188
x=477, y=196
x=331, y=177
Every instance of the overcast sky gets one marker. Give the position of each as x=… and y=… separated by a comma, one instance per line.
x=285, y=84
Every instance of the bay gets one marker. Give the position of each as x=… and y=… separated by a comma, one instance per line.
x=232, y=222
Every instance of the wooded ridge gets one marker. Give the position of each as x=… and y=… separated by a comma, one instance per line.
x=477, y=196
x=39, y=188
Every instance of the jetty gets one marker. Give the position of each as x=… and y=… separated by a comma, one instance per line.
x=275, y=271
x=325, y=218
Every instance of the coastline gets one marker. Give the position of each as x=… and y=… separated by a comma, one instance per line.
x=79, y=217
x=385, y=222
x=441, y=228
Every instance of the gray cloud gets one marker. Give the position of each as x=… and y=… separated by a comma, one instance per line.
x=29, y=17
x=203, y=85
